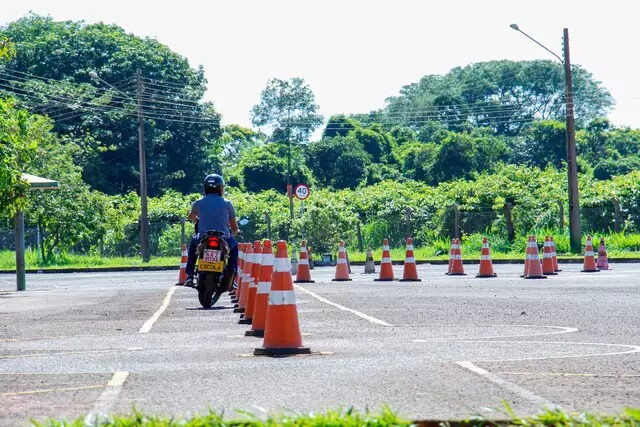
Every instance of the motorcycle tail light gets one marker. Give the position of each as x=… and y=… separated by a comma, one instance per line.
x=213, y=242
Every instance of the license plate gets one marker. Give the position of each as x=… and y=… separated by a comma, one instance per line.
x=215, y=267
x=211, y=255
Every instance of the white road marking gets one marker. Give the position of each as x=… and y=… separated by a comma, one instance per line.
x=570, y=374
x=563, y=330
x=67, y=353
x=51, y=390
x=357, y=313
x=507, y=385
x=149, y=323
x=107, y=398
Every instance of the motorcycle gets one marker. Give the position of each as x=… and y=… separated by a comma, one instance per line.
x=212, y=276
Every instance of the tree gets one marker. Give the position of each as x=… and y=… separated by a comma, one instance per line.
x=265, y=167
x=545, y=144
x=339, y=125
x=289, y=107
x=338, y=162
x=234, y=142
x=503, y=95
x=50, y=74
x=20, y=134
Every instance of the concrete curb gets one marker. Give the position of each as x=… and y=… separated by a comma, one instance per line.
x=359, y=263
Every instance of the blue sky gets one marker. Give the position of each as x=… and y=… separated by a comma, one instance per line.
x=356, y=53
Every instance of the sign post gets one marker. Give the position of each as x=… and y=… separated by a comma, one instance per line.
x=302, y=193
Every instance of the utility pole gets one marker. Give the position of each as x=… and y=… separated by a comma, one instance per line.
x=144, y=216
x=575, y=233
x=289, y=186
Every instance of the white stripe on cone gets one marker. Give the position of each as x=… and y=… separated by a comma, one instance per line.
x=456, y=257
x=281, y=265
x=303, y=261
x=385, y=247
x=588, y=253
x=409, y=247
x=530, y=256
x=183, y=265
x=485, y=258
x=410, y=260
x=342, y=261
x=385, y=260
x=264, y=287
x=267, y=259
x=282, y=298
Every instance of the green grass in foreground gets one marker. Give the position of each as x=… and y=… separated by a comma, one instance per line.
x=348, y=418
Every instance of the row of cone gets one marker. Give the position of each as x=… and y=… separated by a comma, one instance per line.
x=265, y=296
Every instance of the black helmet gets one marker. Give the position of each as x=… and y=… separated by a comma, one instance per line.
x=213, y=181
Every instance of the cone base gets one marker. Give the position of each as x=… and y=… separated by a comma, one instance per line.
x=557, y=270
x=341, y=280
x=486, y=276
x=245, y=321
x=254, y=333
x=456, y=274
x=534, y=277
x=281, y=351
x=238, y=310
x=180, y=284
x=410, y=280
x=550, y=274
x=304, y=281
x=385, y=280
x=589, y=271
x=604, y=269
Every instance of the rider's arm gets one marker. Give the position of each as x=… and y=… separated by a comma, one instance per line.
x=234, y=225
x=193, y=213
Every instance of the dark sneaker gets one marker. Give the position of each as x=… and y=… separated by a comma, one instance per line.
x=189, y=282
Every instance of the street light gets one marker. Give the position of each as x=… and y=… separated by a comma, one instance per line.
x=575, y=233
x=144, y=215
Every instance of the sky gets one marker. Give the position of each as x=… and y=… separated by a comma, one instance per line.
x=356, y=53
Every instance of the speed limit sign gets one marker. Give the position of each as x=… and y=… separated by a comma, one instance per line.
x=302, y=191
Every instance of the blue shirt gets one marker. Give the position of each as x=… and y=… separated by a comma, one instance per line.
x=214, y=213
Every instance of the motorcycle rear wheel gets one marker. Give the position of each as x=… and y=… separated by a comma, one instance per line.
x=206, y=287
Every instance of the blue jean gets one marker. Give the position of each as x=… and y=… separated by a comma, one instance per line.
x=233, y=255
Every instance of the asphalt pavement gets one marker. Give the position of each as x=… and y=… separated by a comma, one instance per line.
x=444, y=348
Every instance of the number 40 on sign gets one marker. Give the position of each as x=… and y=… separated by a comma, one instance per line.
x=302, y=191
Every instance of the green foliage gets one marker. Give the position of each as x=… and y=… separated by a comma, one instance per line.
x=339, y=162
x=66, y=52
x=289, y=107
x=485, y=94
x=20, y=134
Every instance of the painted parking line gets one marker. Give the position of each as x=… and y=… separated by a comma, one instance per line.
x=67, y=353
x=343, y=308
x=555, y=331
x=570, y=374
x=508, y=385
x=108, y=397
x=51, y=390
x=149, y=323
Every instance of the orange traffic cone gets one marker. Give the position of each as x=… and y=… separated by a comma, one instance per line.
x=252, y=289
x=182, y=276
x=342, y=269
x=548, y=268
x=282, y=331
x=262, y=292
x=410, y=273
x=246, y=278
x=589, y=265
x=556, y=266
x=304, y=273
x=603, y=260
x=486, y=266
x=450, y=269
x=532, y=265
x=457, y=269
x=386, y=268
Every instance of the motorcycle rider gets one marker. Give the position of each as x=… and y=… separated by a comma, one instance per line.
x=213, y=212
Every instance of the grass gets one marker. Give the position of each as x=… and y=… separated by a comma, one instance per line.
x=8, y=261
x=619, y=245
x=350, y=418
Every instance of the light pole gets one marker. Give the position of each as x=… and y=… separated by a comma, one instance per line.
x=144, y=215
x=575, y=233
